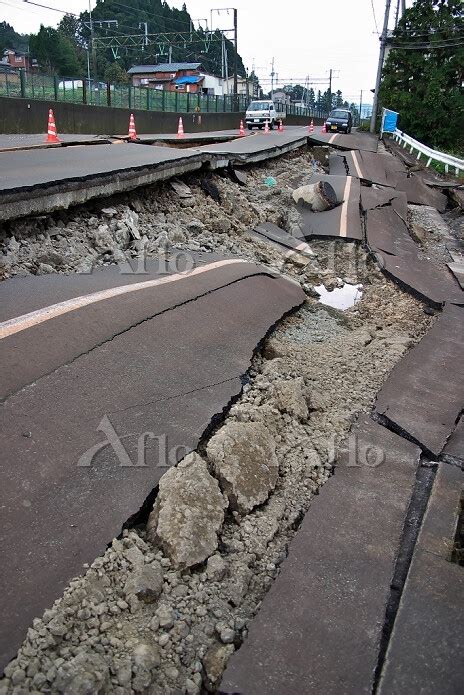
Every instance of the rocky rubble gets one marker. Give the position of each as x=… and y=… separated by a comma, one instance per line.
x=168, y=603
x=166, y=606
x=188, y=513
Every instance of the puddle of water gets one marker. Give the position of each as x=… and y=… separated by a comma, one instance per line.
x=341, y=297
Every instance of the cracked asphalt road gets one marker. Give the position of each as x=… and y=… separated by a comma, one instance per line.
x=147, y=370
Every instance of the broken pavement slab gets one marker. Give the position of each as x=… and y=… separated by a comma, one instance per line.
x=282, y=239
x=67, y=490
x=372, y=198
x=425, y=649
x=341, y=222
x=351, y=141
x=95, y=307
x=418, y=193
x=458, y=271
x=423, y=395
x=256, y=147
x=335, y=582
x=398, y=255
x=381, y=169
x=454, y=449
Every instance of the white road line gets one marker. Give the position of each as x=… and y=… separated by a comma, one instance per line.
x=34, y=318
x=344, y=213
x=332, y=139
x=354, y=155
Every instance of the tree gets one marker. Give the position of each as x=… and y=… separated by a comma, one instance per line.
x=423, y=73
x=311, y=98
x=55, y=52
x=10, y=39
x=115, y=73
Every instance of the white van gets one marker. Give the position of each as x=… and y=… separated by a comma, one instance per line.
x=259, y=112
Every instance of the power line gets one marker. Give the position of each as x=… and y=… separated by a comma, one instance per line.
x=375, y=18
x=47, y=7
x=425, y=47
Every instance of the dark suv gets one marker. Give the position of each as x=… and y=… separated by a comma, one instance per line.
x=339, y=120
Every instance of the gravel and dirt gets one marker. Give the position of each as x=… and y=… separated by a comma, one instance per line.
x=169, y=602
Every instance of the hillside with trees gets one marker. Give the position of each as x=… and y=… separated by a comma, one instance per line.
x=9, y=38
x=64, y=50
x=424, y=72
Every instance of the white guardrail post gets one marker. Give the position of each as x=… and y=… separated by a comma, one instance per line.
x=433, y=155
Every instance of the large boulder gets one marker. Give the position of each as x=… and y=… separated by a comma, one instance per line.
x=318, y=197
x=244, y=459
x=188, y=513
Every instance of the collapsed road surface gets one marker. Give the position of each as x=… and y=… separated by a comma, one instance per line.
x=169, y=602
x=37, y=181
x=160, y=357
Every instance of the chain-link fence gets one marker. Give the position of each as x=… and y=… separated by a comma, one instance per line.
x=96, y=93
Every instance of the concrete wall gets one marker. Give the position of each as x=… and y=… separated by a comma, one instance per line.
x=30, y=116
x=24, y=116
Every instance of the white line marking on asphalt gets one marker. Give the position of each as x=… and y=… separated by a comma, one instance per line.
x=34, y=318
x=344, y=214
x=356, y=163
x=332, y=138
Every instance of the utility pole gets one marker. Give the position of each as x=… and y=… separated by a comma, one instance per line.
x=170, y=54
x=330, y=92
x=272, y=80
x=403, y=7
x=360, y=106
x=92, y=44
x=383, y=42
x=236, y=54
x=144, y=25
x=397, y=13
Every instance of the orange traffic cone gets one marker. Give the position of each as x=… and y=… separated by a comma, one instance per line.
x=324, y=128
x=281, y=127
x=242, y=129
x=180, y=128
x=51, y=130
x=311, y=126
x=132, y=131
x=266, y=128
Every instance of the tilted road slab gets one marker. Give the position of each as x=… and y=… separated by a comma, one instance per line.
x=27, y=141
x=319, y=628
x=388, y=238
x=418, y=193
x=372, y=198
x=352, y=141
x=92, y=308
x=341, y=222
x=372, y=167
x=167, y=377
x=426, y=646
x=257, y=147
x=454, y=449
x=424, y=394
x=282, y=239
x=37, y=181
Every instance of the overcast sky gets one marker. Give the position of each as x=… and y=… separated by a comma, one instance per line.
x=305, y=37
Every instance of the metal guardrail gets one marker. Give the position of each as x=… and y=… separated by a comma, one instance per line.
x=433, y=155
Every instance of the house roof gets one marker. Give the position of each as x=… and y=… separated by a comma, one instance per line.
x=163, y=67
x=189, y=79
